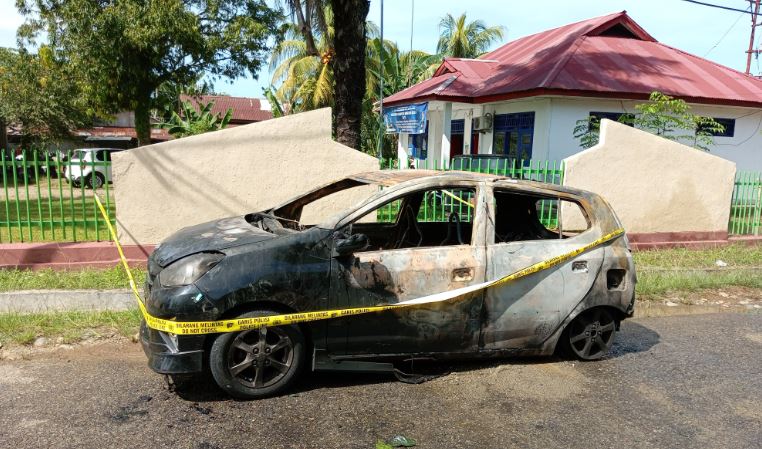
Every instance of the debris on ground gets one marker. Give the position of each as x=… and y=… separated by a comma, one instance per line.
x=721, y=263
x=396, y=441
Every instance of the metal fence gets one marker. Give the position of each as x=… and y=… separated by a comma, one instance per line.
x=448, y=204
x=746, y=205
x=50, y=197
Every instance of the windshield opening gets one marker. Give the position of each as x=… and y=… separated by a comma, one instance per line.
x=316, y=206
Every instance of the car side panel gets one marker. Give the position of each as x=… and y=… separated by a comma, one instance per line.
x=526, y=312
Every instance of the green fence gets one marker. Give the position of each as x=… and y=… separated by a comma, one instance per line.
x=746, y=206
x=49, y=197
x=449, y=204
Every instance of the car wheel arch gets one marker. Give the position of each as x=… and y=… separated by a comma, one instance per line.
x=250, y=306
x=617, y=313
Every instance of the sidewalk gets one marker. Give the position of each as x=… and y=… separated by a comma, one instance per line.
x=37, y=301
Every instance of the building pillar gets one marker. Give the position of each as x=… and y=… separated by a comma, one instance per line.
x=444, y=160
x=467, y=131
x=402, y=155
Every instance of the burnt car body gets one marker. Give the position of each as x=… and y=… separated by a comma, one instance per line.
x=417, y=233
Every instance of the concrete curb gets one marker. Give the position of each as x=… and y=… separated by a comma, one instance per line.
x=37, y=301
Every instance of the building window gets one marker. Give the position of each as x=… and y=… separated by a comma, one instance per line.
x=613, y=116
x=728, y=123
x=513, y=134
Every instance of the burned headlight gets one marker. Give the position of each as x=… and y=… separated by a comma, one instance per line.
x=188, y=269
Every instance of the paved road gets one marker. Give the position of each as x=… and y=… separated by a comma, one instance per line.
x=671, y=382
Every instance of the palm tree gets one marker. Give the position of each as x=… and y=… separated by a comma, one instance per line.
x=459, y=39
x=304, y=80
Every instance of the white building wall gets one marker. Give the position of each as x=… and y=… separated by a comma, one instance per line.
x=556, y=117
x=744, y=148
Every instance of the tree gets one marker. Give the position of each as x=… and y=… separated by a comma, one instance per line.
x=349, y=68
x=663, y=116
x=195, y=120
x=167, y=98
x=305, y=80
x=40, y=97
x=126, y=49
x=461, y=39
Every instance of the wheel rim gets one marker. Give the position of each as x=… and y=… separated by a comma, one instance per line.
x=260, y=358
x=95, y=182
x=592, y=333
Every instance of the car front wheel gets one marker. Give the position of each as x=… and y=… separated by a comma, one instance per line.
x=590, y=335
x=258, y=363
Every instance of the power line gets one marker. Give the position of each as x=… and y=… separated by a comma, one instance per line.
x=724, y=35
x=718, y=6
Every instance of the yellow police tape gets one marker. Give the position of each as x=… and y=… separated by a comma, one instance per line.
x=241, y=324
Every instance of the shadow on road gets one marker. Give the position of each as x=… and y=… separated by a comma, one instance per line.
x=632, y=338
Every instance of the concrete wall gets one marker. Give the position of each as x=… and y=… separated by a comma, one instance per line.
x=655, y=185
x=164, y=187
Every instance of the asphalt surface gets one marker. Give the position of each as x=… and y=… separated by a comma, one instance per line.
x=692, y=381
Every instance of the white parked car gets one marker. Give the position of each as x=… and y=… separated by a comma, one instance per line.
x=90, y=166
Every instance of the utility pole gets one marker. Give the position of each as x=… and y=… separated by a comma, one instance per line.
x=754, y=5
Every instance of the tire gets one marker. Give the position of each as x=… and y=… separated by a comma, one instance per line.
x=95, y=181
x=258, y=363
x=590, y=335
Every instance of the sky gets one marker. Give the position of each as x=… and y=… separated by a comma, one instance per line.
x=721, y=36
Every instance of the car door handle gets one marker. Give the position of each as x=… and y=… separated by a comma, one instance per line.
x=579, y=266
x=462, y=274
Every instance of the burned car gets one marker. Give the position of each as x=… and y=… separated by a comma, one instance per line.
x=412, y=233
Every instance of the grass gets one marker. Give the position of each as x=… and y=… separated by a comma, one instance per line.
x=88, y=279
x=685, y=270
x=71, y=326
x=734, y=255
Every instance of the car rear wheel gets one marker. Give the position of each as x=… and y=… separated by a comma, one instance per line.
x=258, y=363
x=95, y=181
x=590, y=335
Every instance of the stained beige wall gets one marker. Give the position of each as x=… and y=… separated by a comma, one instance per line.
x=164, y=187
x=654, y=184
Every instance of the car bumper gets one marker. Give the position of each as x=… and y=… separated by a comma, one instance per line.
x=172, y=355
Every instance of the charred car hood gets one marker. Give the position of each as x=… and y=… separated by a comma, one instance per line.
x=211, y=236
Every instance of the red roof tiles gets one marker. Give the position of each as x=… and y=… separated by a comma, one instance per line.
x=608, y=56
x=245, y=110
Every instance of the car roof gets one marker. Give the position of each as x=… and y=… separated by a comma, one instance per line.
x=390, y=178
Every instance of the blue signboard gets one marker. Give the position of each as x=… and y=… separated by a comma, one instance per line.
x=407, y=119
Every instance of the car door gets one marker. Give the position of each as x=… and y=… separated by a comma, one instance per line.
x=525, y=312
x=387, y=276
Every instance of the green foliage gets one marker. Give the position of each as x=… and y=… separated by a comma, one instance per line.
x=196, y=119
x=125, y=49
x=304, y=79
x=40, y=96
x=461, y=39
x=663, y=116
x=587, y=131
x=671, y=118
x=168, y=96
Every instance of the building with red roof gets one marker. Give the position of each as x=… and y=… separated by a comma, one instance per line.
x=245, y=110
x=525, y=98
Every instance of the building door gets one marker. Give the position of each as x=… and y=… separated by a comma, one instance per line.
x=456, y=138
x=513, y=135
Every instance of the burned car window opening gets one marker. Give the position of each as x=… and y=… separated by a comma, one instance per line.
x=521, y=217
x=424, y=218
